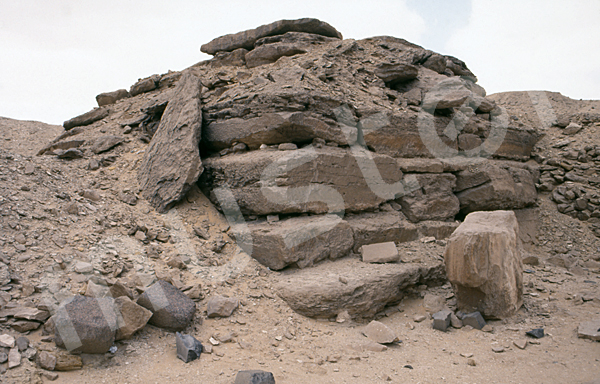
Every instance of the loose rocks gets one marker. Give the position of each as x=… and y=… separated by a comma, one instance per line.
x=254, y=377
x=474, y=319
x=221, y=306
x=380, y=333
x=171, y=309
x=441, y=320
x=589, y=330
x=380, y=253
x=188, y=348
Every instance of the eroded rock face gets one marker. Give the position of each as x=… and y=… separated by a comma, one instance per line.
x=432, y=200
x=492, y=186
x=247, y=39
x=483, y=263
x=301, y=241
x=309, y=179
x=172, y=164
x=171, y=309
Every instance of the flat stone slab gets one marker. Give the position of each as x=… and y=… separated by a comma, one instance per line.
x=246, y=39
x=380, y=253
x=350, y=285
x=589, y=330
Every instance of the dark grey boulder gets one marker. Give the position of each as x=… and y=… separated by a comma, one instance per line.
x=171, y=309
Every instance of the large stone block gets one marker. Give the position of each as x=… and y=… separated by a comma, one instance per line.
x=483, y=263
x=370, y=228
x=275, y=128
x=489, y=186
x=310, y=180
x=350, y=285
x=518, y=144
x=300, y=241
x=432, y=198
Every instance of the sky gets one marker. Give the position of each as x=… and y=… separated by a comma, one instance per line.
x=56, y=56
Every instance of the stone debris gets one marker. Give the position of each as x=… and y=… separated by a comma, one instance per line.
x=188, y=348
x=380, y=333
x=7, y=341
x=171, y=309
x=220, y=306
x=47, y=361
x=589, y=330
x=473, y=319
x=132, y=317
x=441, y=320
x=254, y=377
x=537, y=333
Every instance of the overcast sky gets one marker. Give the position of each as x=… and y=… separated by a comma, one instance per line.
x=57, y=55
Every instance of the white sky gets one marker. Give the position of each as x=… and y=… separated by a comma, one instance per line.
x=57, y=55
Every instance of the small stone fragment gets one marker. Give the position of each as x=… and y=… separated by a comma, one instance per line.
x=14, y=358
x=380, y=253
x=188, y=348
x=7, y=341
x=22, y=343
x=52, y=376
x=455, y=321
x=47, y=361
x=441, y=320
x=221, y=306
x=474, y=319
x=537, y=333
x=471, y=362
x=67, y=362
x=380, y=333
x=3, y=357
x=254, y=377
x=287, y=147
x=419, y=318
x=498, y=349
x=521, y=344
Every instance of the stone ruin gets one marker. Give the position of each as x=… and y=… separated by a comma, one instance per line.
x=314, y=146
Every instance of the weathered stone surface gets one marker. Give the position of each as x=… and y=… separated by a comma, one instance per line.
x=254, y=377
x=433, y=303
x=132, y=317
x=171, y=309
x=492, y=187
x=433, y=200
x=144, y=85
x=397, y=72
x=64, y=145
x=421, y=165
x=441, y=320
x=87, y=118
x=275, y=128
x=301, y=241
x=106, y=143
x=4, y=274
x=32, y=314
x=68, y=362
x=47, y=361
x=449, y=93
x=22, y=343
x=14, y=358
x=235, y=58
x=305, y=180
x=589, y=330
x=111, y=97
x=438, y=229
x=25, y=326
x=517, y=144
x=270, y=53
x=171, y=164
x=118, y=290
x=397, y=134
x=380, y=253
x=318, y=292
x=370, y=228
x=7, y=341
x=380, y=333
x=221, y=306
x=247, y=39
x=188, y=348
x=474, y=319
x=84, y=324
x=483, y=263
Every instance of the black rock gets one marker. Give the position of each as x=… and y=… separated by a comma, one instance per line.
x=474, y=319
x=171, y=309
x=538, y=333
x=188, y=348
x=22, y=343
x=441, y=320
x=254, y=377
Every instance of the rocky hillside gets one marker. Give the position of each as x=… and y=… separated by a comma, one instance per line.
x=247, y=191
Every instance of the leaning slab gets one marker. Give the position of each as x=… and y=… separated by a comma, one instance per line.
x=172, y=164
x=246, y=39
x=87, y=118
x=483, y=263
x=351, y=285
